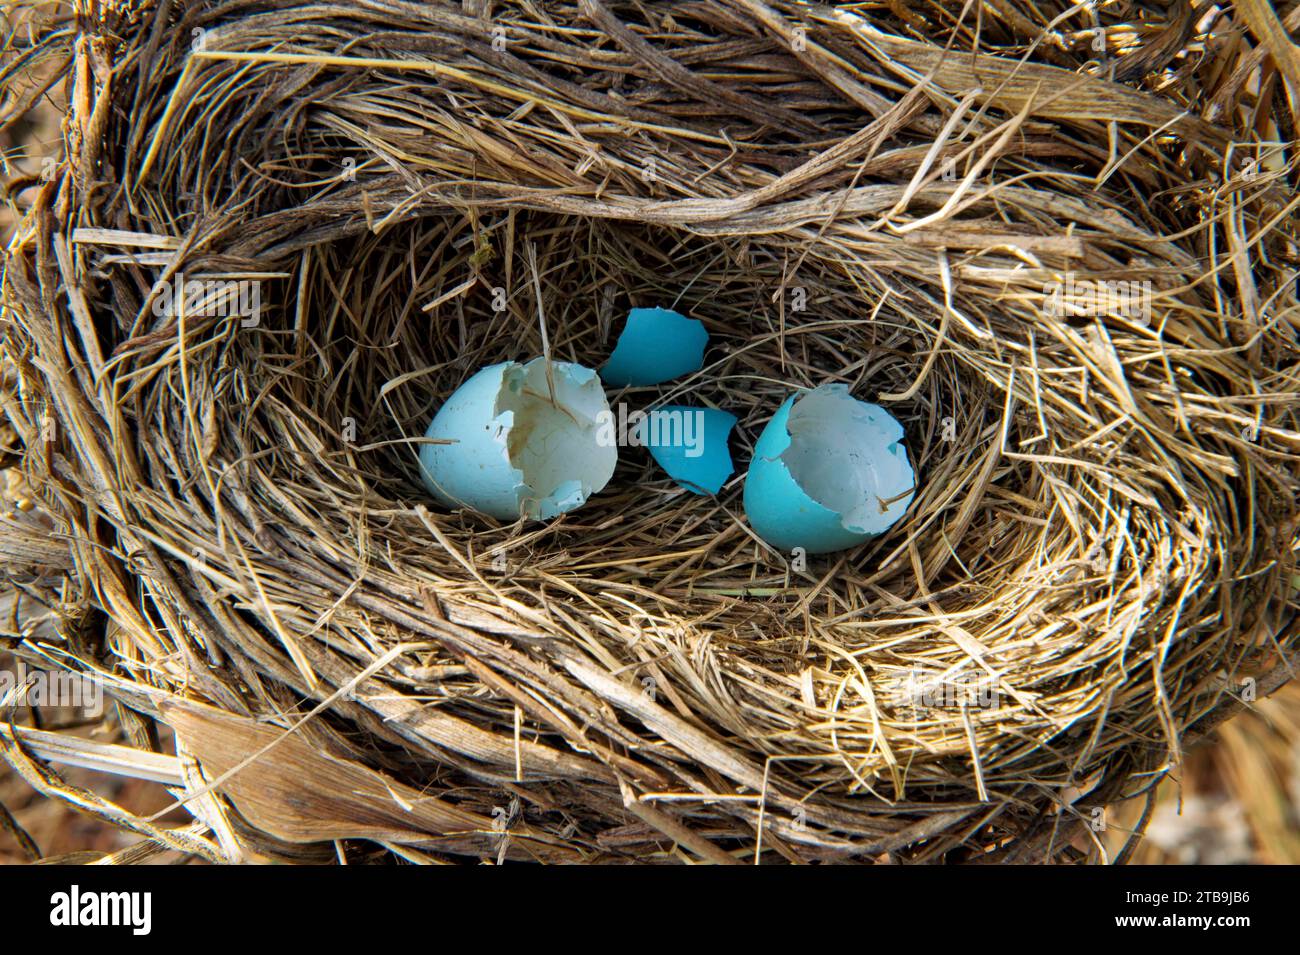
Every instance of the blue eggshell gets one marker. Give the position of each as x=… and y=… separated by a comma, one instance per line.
x=859, y=457
x=691, y=445
x=656, y=346
x=504, y=433
x=475, y=471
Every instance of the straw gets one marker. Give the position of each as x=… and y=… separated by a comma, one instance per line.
x=925, y=206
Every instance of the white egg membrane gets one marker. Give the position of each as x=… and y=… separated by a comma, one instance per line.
x=552, y=439
x=841, y=458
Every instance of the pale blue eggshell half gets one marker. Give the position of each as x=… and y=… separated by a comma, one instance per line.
x=512, y=453
x=849, y=453
x=474, y=471
x=657, y=345
x=691, y=445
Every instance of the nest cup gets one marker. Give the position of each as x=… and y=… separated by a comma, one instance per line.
x=1100, y=550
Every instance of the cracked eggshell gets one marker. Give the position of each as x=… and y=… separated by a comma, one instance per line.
x=691, y=445
x=822, y=468
x=656, y=345
x=513, y=452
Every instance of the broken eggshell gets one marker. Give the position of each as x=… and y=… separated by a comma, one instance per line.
x=828, y=472
x=513, y=451
x=690, y=444
x=656, y=345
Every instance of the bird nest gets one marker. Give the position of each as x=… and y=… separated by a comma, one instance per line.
x=1059, y=249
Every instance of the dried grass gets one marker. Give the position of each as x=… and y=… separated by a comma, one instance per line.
x=1106, y=523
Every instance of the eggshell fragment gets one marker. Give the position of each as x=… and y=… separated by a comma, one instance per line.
x=828, y=472
x=657, y=345
x=691, y=444
x=515, y=449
